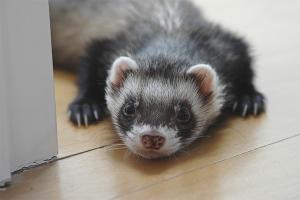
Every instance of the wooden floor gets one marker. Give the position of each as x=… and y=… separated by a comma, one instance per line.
x=251, y=158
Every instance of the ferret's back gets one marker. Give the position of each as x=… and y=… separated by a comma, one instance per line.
x=75, y=23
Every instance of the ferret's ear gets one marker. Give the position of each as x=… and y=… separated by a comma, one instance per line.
x=207, y=77
x=119, y=69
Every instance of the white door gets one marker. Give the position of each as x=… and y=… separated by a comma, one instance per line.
x=27, y=104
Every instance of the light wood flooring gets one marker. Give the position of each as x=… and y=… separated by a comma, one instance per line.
x=244, y=158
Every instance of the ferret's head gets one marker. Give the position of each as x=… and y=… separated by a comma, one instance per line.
x=158, y=106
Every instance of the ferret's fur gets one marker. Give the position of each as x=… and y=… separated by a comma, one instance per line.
x=160, y=57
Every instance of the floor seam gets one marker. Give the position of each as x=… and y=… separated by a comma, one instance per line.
x=55, y=159
x=217, y=162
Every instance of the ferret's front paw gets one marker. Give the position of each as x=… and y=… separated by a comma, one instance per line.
x=250, y=104
x=86, y=111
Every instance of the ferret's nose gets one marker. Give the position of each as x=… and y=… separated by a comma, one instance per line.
x=153, y=142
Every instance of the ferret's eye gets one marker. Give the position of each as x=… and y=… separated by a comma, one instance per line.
x=129, y=110
x=183, y=115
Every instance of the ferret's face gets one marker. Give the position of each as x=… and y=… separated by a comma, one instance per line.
x=155, y=115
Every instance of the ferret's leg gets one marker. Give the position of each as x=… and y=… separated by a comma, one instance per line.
x=236, y=69
x=90, y=105
x=248, y=101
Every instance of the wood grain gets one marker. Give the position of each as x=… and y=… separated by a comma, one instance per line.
x=244, y=158
x=264, y=173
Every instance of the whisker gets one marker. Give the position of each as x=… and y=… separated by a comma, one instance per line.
x=127, y=153
x=173, y=155
x=231, y=129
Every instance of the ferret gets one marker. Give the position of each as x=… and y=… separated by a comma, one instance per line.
x=163, y=71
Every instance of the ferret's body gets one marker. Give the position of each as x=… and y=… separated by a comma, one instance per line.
x=163, y=70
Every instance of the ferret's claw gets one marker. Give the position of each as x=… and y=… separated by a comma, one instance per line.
x=78, y=119
x=86, y=120
x=245, y=110
x=255, y=109
x=69, y=114
x=96, y=114
x=234, y=106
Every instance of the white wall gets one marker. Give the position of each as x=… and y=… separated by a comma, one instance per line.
x=4, y=144
x=27, y=106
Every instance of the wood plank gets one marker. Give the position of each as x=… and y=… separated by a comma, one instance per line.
x=271, y=172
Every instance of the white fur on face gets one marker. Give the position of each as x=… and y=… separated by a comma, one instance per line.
x=155, y=91
x=158, y=91
x=133, y=141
